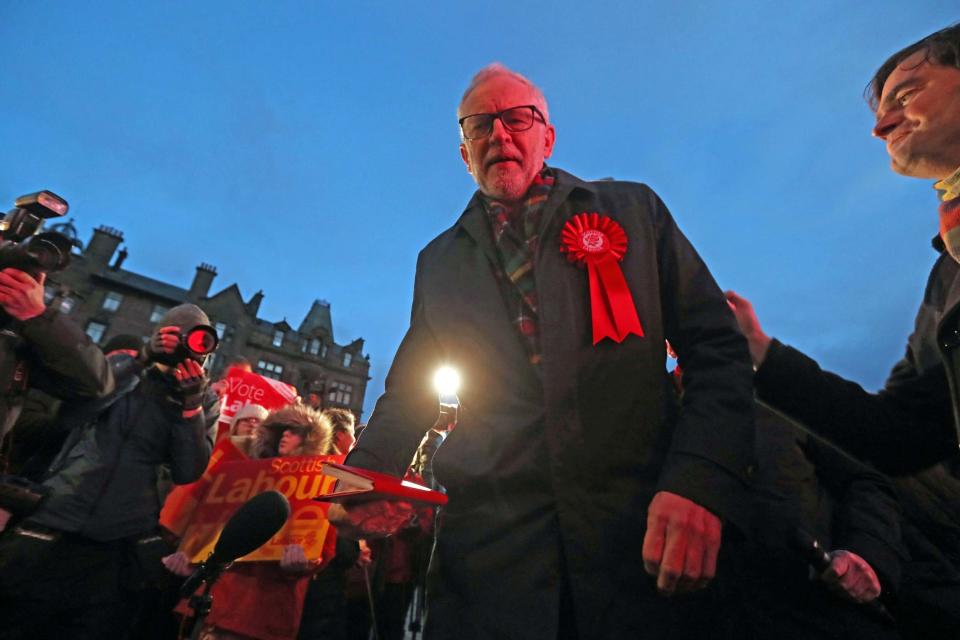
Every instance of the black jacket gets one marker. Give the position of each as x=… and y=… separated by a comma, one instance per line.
x=550, y=474
x=104, y=484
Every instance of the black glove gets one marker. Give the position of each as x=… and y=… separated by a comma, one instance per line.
x=191, y=384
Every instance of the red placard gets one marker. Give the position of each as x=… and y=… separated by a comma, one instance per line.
x=230, y=484
x=243, y=387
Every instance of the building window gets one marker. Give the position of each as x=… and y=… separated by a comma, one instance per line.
x=323, y=351
x=270, y=369
x=340, y=392
x=96, y=330
x=112, y=301
x=220, y=328
x=314, y=346
x=347, y=359
x=157, y=313
x=67, y=304
x=278, y=338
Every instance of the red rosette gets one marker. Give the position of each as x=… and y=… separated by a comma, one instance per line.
x=599, y=242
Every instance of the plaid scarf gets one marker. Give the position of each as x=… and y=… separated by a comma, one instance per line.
x=516, y=231
x=949, y=193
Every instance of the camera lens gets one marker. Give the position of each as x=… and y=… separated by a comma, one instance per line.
x=201, y=341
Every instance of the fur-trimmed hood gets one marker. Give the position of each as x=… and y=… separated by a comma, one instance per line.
x=310, y=424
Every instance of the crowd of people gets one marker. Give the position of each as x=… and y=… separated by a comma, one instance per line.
x=92, y=560
x=593, y=492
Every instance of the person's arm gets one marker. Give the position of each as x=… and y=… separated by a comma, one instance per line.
x=712, y=447
x=190, y=447
x=408, y=406
x=406, y=409
x=905, y=427
x=712, y=450
x=64, y=361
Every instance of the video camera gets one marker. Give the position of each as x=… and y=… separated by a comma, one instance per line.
x=25, y=249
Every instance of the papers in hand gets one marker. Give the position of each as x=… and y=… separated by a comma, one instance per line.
x=363, y=485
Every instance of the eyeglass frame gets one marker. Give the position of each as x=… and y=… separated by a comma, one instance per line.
x=498, y=115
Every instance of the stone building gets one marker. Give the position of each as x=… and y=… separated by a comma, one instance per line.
x=106, y=300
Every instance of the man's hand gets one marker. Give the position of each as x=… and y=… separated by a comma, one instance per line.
x=294, y=560
x=163, y=341
x=750, y=327
x=681, y=544
x=852, y=577
x=177, y=563
x=20, y=295
x=375, y=519
x=191, y=384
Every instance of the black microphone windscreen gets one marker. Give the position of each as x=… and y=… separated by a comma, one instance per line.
x=251, y=526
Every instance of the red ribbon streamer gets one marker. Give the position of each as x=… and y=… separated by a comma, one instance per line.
x=600, y=243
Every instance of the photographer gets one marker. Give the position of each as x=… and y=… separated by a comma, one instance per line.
x=76, y=567
x=39, y=347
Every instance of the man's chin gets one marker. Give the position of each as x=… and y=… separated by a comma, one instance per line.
x=506, y=186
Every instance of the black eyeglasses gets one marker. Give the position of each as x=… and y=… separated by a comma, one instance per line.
x=514, y=119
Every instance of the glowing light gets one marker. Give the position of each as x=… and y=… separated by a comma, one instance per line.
x=446, y=381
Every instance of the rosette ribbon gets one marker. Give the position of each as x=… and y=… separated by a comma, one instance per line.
x=600, y=243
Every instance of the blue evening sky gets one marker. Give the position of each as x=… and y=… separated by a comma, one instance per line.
x=309, y=149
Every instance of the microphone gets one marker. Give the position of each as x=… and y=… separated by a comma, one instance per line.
x=252, y=526
x=813, y=552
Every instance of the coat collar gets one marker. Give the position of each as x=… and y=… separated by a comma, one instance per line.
x=474, y=219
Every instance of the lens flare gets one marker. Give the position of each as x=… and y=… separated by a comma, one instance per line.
x=446, y=381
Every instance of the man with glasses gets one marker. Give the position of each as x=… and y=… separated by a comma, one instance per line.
x=570, y=475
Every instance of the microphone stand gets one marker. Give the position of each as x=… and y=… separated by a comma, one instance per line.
x=201, y=604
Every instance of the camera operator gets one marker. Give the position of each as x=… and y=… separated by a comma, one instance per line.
x=76, y=567
x=39, y=347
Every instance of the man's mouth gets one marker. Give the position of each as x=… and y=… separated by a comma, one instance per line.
x=897, y=138
x=501, y=160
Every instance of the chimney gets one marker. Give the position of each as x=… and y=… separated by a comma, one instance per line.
x=254, y=305
x=104, y=242
x=200, y=287
x=120, y=258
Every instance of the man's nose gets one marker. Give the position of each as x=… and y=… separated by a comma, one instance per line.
x=887, y=123
x=499, y=131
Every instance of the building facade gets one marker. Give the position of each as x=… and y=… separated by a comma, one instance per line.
x=108, y=300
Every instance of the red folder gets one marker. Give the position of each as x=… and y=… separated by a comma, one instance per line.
x=362, y=485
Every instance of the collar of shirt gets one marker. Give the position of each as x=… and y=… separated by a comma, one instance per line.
x=949, y=187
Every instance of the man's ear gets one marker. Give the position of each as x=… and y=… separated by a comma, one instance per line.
x=549, y=138
x=466, y=157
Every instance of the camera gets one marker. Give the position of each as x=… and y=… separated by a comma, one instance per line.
x=25, y=249
x=195, y=343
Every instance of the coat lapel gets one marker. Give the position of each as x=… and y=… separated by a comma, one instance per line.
x=474, y=222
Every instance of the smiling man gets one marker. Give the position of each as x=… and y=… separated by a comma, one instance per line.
x=579, y=499
x=910, y=424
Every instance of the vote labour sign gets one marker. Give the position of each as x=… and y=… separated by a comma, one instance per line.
x=241, y=387
x=230, y=484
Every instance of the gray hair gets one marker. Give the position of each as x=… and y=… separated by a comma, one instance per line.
x=494, y=70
